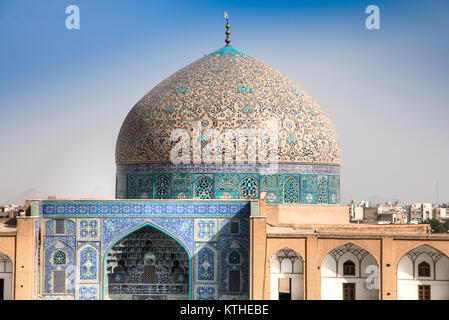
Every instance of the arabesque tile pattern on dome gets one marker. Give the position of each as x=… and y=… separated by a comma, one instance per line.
x=228, y=90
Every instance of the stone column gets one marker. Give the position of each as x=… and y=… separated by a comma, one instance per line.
x=24, y=259
x=387, y=271
x=312, y=272
x=258, y=236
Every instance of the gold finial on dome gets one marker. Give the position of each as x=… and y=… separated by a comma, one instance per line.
x=227, y=40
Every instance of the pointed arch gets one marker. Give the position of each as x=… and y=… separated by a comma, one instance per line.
x=423, y=273
x=286, y=275
x=349, y=271
x=6, y=274
x=150, y=224
x=88, y=257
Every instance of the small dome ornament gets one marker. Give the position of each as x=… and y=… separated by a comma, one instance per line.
x=227, y=40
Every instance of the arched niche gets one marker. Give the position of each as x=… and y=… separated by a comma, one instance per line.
x=423, y=274
x=147, y=263
x=349, y=272
x=286, y=275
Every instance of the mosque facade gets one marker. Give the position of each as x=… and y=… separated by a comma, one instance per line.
x=261, y=219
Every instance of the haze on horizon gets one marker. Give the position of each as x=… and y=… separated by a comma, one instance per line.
x=64, y=94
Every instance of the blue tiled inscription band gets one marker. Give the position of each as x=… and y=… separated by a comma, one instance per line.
x=143, y=209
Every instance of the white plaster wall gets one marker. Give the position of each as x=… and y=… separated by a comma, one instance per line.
x=332, y=289
x=287, y=266
x=405, y=268
x=442, y=269
x=332, y=286
x=366, y=262
x=408, y=289
x=328, y=267
x=275, y=266
x=296, y=286
x=7, y=286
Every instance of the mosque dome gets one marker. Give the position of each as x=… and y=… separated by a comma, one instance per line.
x=228, y=89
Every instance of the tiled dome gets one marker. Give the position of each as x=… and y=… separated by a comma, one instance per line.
x=228, y=89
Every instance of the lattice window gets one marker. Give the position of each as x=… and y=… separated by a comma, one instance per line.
x=288, y=261
x=349, y=268
x=235, y=257
x=348, y=291
x=291, y=190
x=234, y=281
x=424, y=292
x=59, y=258
x=162, y=188
x=249, y=188
x=423, y=269
x=5, y=264
x=235, y=226
x=58, y=281
x=60, y=226
x=322, y=190
x=150, y=274
x=204, y=188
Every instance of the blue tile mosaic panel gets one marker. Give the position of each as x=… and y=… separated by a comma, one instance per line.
x=88, y=260
x=205, y=229
x=49, y=227
x=279, y=187
x=182, y=186
x=249, y=187
x=88, y=229
x=230, y=245
x=225, y=225
x=54, y=245
x=334, y=189
x=142, y=208
x=206, y=292
x=309, y=188
x=227, y=186
x=214, y=251
x=206, y=263
x=88, y=292
x=291, y=189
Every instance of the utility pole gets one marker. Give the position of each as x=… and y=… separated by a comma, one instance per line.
x=438, y=197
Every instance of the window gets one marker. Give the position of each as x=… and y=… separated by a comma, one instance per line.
x=234, y=281
x=59, y=226
x=423, y=292
x=348, y=291
x=235, y=226
x=234, y=257
x=149, y=274
x=59, y=258
x=58, y=281
x=423, y=269
x=284, y=286
x=349, y=268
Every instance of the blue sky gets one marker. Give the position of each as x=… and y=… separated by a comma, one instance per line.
x=64, y=94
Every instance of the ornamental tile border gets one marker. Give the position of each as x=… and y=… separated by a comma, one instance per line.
x=142, y=209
